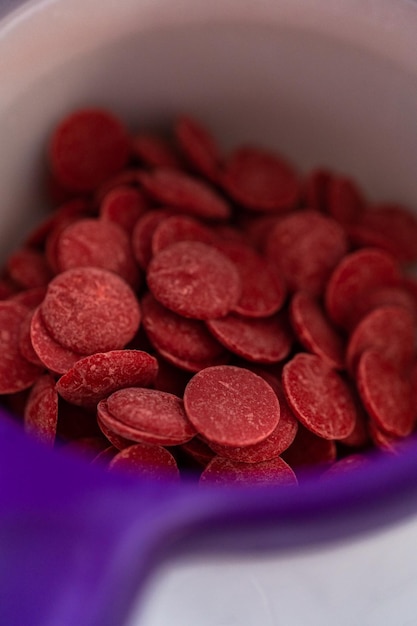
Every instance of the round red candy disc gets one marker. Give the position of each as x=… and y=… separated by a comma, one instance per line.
x=231, y=405
x=89, y=310
x=320, y=398
x=194, y=280
x=86, y=148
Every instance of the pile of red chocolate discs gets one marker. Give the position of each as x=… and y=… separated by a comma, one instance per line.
x=182, y=309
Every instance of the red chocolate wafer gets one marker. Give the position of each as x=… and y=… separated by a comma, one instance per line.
x=386, y=394
x=111, y=426
x=104, y=457
x=319, y=397
x=150, y=462
x=263, y=340
x=176, y=336
x=345, y=201
x=154, y=151
x=103, y=419
x=353, y=279
x=346, y=465
x=25, y=341
x=16, y=372
x=123, y=205
x=274, y=445
x=89, y=310
x=315, y=189
x=151, y=411
x=30, y=298
x=198, y=450
x=395, y=227
x=263, y=292
x=310, y=450
x=305, y=247
x=86, y=148
x=127, y=177
x=143, y=233
x=96, y=243
x=397, y=296
x=185, y=193
x=63, y=214
x=54, y=357
x=260, y=180
x=198, y=146
x=222, y=471
x=315, y=332
x=391, y=330
x=41, y=411
x=231, y=406
x=95, y=377
x=180, y=228
x=194, y=280
x=28, y=268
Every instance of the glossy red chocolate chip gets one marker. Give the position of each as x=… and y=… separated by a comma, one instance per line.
x=314, y=331
x=185, y=193
x=198, y=146
x=319, y=397
x=231, y=406
x=194, y=280
x=178, y=338
x=89, y=310
x=263, y=292
x=150, y=462
x=305, y=247
x=86, y=148
x=391, y=330
x=41, y=411
x=51, y=354
x=95, y=377
x=221, y=471
x=263, y=340
x=353, y=279
x=16, y=372
x=386, y=394
x=149, y=411
x=260, y=180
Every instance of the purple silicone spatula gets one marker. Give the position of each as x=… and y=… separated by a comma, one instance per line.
x=77, y=543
